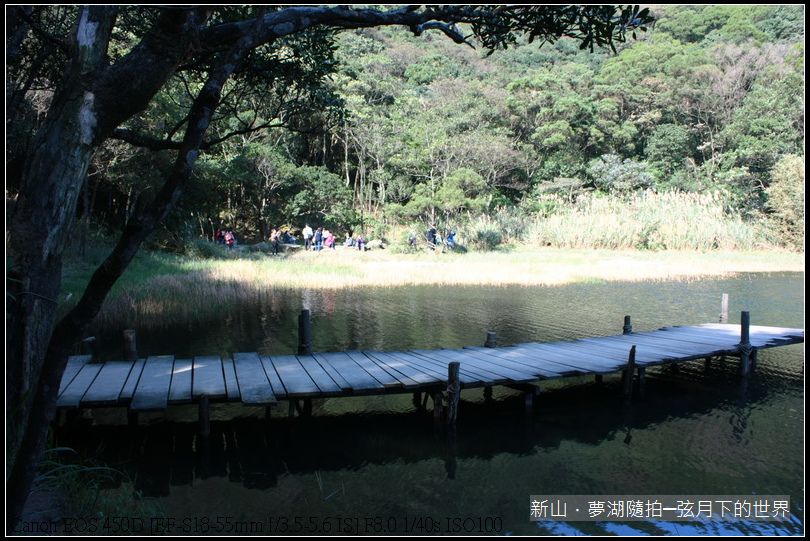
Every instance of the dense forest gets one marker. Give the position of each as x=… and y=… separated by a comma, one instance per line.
x=379, y=131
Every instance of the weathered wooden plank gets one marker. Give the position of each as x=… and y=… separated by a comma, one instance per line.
x=613, y=362
x=72, y=395
x=231, y=383
x=106, y=387
x=152, y=392
x=326, y=385
x=395, y=364
x=491, y=371
x=682, y=341
x=386, y=379
x=336, y=376
x=132, y=381
x=208, y=378
x=773, y=343
x=272, y=376
x=666, y=346
x=546, y=362
x=618, y=348
x=502, y=356
x=574, y=357
x=613, y=351
x=700, y=336
x=735, y=328
x=731, y=333
x=470, y=373
x=358, y=379
x=180, y=388
x=429, y=367
x=74, y=364
x=295, y=379
x=648, y=353
x=254, y=387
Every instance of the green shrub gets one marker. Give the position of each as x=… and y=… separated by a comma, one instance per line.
x=486, y=239
x=204, y=249
x=786, y=199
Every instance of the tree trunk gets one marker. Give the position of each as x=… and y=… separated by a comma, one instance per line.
x=82, y=113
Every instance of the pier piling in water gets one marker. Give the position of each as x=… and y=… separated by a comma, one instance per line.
x=304, y=340
x=629, y=372
x=492, y=340
x=130, y=350
x=453, y=390
x=747, y=351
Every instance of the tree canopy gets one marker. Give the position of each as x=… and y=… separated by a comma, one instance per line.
x=79, y=77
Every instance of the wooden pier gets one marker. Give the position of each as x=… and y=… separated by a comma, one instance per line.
x=155, y=383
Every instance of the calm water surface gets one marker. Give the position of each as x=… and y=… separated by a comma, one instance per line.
x=378, y=465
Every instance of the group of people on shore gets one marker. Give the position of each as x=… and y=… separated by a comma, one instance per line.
x=320, y=238
x=434, y=239
x=314, y=239
x=226, y=238
x=279, y=237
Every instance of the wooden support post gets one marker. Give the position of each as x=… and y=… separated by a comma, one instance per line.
x=492, y=340
x=304, y=340
x=528, y=401
x=205, y=417
x=628, y=327
x=745, y=346
x=598, y=378
x=488, y=392
x=130, y=350
x=437, y=406
x=89, y=346
x=642, y=378
x=724, y=309
x=453, y=391
x=529, y=392
x=629, y=373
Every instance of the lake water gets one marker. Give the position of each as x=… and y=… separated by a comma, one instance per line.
x=377, y=465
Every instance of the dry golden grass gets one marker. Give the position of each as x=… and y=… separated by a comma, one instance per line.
x=208, y=287
x=348, y=268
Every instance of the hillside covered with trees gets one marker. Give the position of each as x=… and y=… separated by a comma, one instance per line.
x=381, y=131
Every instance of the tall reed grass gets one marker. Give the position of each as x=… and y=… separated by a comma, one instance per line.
x=649, y=221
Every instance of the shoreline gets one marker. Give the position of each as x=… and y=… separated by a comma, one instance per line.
x=183, y=288
x=522, y=266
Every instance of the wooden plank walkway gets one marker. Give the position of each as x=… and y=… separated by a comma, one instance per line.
x=154, y=383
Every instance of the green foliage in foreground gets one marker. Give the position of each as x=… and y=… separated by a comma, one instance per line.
x=82, y=488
